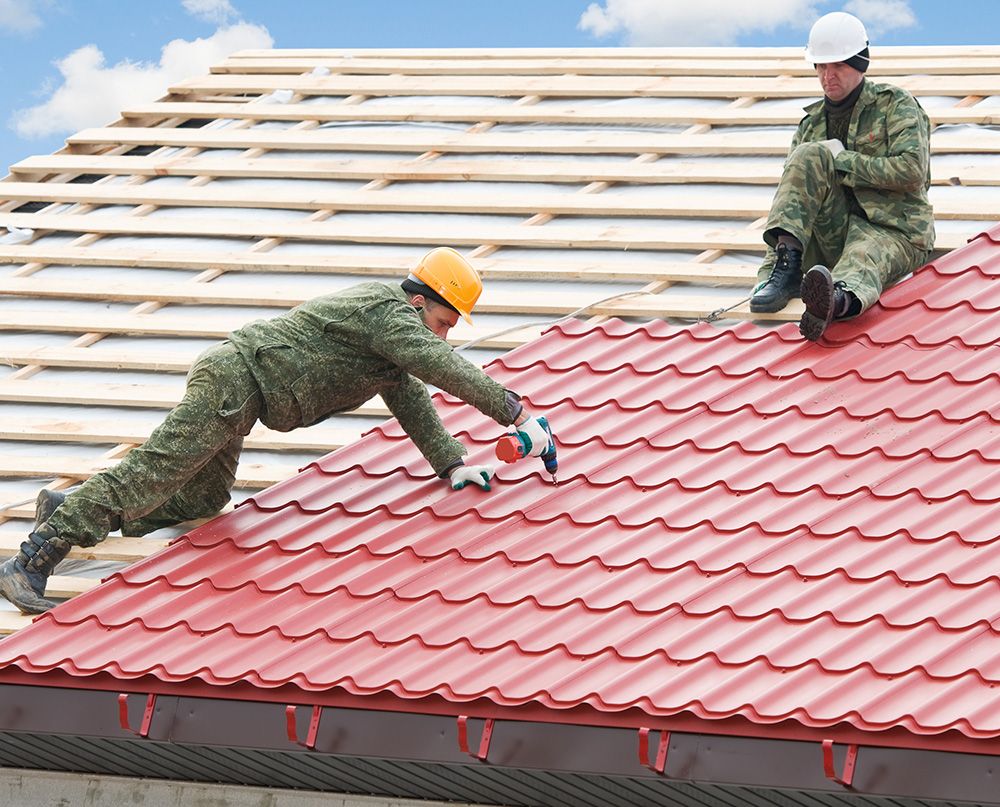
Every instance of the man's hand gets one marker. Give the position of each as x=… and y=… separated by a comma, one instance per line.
x=462, y=475
x=835, y=146
x=537, y=434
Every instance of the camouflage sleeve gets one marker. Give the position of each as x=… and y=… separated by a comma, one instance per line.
x=411, y=404
x=401, y=337
x=904, y=166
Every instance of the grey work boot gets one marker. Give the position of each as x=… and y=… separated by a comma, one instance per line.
x=782, y=285
x=46, y=504
x=23, y=577
x=825, y=301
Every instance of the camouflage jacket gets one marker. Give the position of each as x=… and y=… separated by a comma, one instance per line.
x=886, y=158
x=333, y=353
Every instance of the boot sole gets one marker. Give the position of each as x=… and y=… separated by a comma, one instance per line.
x=817, y=294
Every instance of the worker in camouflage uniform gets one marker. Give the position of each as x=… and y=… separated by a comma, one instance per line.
x=853, y=193
x=328, y=355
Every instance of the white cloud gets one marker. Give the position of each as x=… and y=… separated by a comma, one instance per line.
x=703, y=22
x=880, y=16
x=92, y=94
x=215, y=11
x=723, y=22
x=19, y=16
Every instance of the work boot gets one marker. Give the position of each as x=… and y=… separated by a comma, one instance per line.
x=23, y=577
x=46, y=504
x=825, y=300
x=782, y=285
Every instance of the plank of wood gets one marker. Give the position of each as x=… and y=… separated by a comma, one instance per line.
x=218, y=328
x=91, y=359
x=426, y=234
x=573, y=266
x=764, y=143
x=562, y=303
x=143, y=396
x=116, y=548
x=878, y=52
x=61, y=586
x=13, y=621
x=253, y=476
x=618, y=86
x=420, y=141
x=528, y=202
x=491, y=302
x=511, y=113
x=114, y=432
x=555, y=170
x=669, y=64
x=579, y=236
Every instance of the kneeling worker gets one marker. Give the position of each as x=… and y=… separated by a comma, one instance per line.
x=853, y=193
x=330, y=354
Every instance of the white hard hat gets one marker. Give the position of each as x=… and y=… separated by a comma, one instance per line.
x=836, y=37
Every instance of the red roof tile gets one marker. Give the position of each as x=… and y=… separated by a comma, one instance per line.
x=746, y=525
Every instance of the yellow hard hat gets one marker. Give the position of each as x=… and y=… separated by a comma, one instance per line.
x=452, y=277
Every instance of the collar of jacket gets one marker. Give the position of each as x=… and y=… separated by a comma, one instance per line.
x=817, y=113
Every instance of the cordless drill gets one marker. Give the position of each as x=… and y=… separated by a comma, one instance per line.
x=515, y=445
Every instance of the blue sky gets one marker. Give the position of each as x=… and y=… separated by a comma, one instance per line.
x=69, y=64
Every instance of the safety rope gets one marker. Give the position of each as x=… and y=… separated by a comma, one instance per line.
x=4, y=507
x=710, y=317
x=570, y=315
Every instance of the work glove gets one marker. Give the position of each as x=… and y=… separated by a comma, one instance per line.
x=835, y=146
x=480, y=475
x=537, y=435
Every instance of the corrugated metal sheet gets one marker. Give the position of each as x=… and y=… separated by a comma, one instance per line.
x=748, y=525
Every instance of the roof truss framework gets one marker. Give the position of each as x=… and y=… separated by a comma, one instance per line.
x=594, y=125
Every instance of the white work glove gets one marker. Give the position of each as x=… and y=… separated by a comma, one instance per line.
x=536, y=433
x=462, y=475
x=835, y=146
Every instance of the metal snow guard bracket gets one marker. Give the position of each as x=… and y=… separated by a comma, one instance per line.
x=849, y=763
x=147, y=714
x=660, y=765
x=292, y=727
x=484, y=740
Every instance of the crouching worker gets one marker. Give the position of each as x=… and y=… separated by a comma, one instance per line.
x=853, y=193
x=330, y=354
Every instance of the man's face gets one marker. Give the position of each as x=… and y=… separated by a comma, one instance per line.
x=439, y=319
x=838, y=79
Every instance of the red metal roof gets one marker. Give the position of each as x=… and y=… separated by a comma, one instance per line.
x=748, y=527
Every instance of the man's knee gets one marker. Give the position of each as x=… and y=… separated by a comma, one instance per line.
x=814, y=156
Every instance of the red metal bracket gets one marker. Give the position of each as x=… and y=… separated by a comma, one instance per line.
x=292, y=728
x=147, y=715
x=660, y=765
x=849, y=762
x=484, y=741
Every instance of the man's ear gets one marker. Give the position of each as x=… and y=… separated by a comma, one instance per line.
x=418, y=300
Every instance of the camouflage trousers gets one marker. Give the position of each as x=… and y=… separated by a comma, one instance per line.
x=811, y=204
x=185, y=469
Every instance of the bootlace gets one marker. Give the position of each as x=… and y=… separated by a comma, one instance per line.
x=787, y=265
